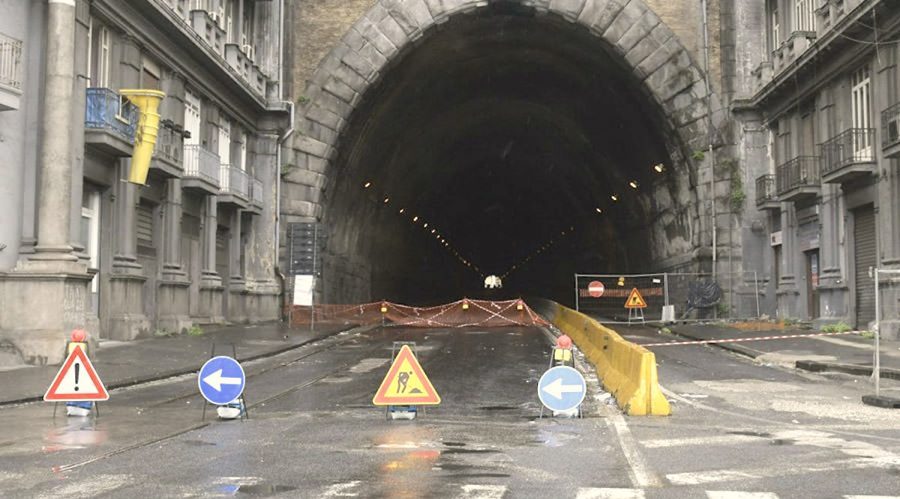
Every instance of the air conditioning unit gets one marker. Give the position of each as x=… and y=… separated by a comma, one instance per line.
x=248, y=51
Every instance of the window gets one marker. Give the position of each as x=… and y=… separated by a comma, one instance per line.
x=144, y=225
x=804, y=16
x=859, y=109
x=150, y=74
x=100, y=75
x=225, y=143
x=192, y=118
x=90, y=237
x=774, y=25
x=244, y=151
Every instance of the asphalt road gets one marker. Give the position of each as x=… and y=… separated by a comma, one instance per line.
x=737, y=427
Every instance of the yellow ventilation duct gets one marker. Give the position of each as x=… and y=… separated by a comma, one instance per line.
x=147, y=102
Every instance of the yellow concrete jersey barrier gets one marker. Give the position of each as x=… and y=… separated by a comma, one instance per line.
x=627, y=370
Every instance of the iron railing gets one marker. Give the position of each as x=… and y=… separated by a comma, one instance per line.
x=200, y=163
x=107, y=110
x=168, y=146
x=256, y=192
x=890, y=125
x=765, y=189
x=846, y=148
x=802, y=171
x=10, y=62
x=235, y=181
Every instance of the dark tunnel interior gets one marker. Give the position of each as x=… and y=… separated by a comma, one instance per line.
x=508, y=135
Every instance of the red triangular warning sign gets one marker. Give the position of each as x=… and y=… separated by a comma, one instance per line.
x=76, y=380
x=406, y=383
x=635, y=300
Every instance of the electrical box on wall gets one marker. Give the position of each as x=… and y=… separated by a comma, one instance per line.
x=775, y=238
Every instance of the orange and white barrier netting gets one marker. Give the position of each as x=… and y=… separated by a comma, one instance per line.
x=461, y=313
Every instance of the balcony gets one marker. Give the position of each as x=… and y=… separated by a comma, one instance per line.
x=798, y=179
x=766, y=196
x=848, y=155
x=256, y=197
x=890, y=131
x=10, y=72
x=234, y=187
x=167, y=154
x=109, y=122
x=201, y=170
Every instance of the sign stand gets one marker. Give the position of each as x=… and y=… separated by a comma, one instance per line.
x=394, y=349
x=76, y=380
x=405, y=385
x=635, y=305
x=245, y=410
x=551, y=366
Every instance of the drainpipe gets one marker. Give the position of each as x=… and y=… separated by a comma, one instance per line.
x=282, y=138
x=712, y=159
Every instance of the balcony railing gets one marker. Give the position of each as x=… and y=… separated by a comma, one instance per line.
x=890, y=126
x=847, y=148
x=235, y=182
x=10, y=62
x=765, y=189
x=802, y=171
x=107, y=110
x=200, y=163
x=168, y=146
x=256, y=192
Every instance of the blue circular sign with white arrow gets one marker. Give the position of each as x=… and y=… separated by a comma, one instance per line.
x=221, y=380
x=561, y=388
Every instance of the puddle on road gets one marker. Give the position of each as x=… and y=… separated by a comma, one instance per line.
x=73, y=436
x=197, y=443
x=498, y=408
x=264, y=489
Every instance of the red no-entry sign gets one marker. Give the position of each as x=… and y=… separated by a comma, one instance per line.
x=596, y=289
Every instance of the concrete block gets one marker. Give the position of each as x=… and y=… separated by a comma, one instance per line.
x=393, y=31
x=598, y=14
x=334, y=104
x=353, y=39
x=637, y=32
x=325, y=117
x=643, y=49
x=360, y=64
x=654, y=61
x=311, y=146
x=411, y=15
x=306, y=177
x=375, y=58
x=351, y=78
x=337, y=87
x=374, y=36
x=568, y=9
x=628, y=16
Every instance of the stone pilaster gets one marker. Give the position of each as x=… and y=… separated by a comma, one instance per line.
x=210, y=282
x=126, y=280
x=173, y=296
x=832, y=283
x=788, y=292
x=261, y=255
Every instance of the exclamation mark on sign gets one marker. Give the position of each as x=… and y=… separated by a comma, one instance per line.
x=77, y=369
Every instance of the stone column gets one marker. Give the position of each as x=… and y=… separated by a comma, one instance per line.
x=210, y=281
x=172, y=299
x=261, y=253
x=787, y=285
x=126, y=280
x=237, y=290
x=55, y=192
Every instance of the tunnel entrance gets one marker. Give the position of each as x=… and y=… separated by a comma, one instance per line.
x=503, y=143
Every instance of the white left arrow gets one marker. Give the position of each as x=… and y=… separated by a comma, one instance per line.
x=557, y=388
x=216, y=380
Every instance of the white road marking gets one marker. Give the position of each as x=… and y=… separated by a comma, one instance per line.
x=732, y=494
x=8, y=476
x=701, y=477
x=717, y=440
x=638, y=470
x=342, y=489
x=367, y=365
x=91, y=487
x=609, y=493
x=482, y=492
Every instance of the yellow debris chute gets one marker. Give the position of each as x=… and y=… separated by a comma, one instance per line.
x=147, y=102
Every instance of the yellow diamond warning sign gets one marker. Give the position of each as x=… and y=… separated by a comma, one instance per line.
x=635, y=300
x=406, y=383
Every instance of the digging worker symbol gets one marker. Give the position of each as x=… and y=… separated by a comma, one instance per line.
x=402, y=380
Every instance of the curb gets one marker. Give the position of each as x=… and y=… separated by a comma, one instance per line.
x=854, y=369
x=731, y=347
x=182, y=371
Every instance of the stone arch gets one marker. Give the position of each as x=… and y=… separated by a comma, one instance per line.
x=380, y=38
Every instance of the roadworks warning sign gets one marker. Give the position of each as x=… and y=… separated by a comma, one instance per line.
x=635, y=300
x=406, y=383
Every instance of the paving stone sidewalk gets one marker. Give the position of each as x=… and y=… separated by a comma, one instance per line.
x=121, y=363
x=851, y=353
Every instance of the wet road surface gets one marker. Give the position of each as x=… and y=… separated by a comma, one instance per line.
x=737, y=426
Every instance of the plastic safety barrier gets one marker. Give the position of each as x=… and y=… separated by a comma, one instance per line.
x=627, y=370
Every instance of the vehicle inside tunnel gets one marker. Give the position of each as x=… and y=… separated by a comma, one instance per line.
x=509, y=144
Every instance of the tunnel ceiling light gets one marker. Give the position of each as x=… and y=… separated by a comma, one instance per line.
x=415, y=219
x=387, y=200
x=614, y=197
x=659, y=168
x=402, y=210
x=425, y=225
x=633, y=184
x=367, y=185
x=599, y=210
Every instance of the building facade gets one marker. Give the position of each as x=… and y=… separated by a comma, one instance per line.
x=822, y=119
x=81, y=246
